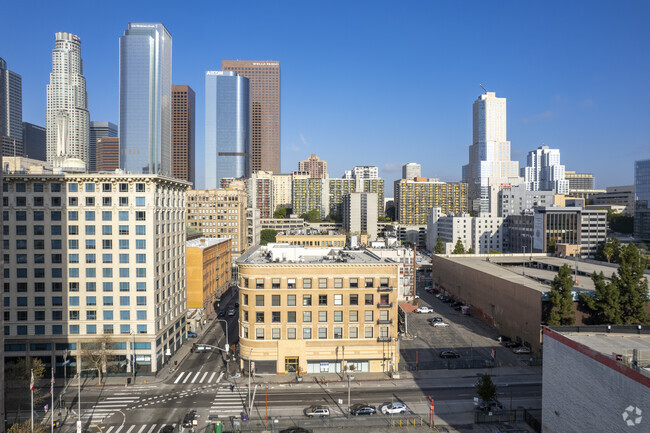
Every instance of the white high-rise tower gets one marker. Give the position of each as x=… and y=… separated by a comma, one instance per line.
x=490, y=167
x=68, y=120
x=543, y=171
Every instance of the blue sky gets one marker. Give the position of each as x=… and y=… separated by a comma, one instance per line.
x=384, y=83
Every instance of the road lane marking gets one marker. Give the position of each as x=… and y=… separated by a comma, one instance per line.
x=196, y=377
x=109, y=429
x=203, y=378
x=179, y=377
x=151, y=429
x=142, y=428
x=187, y=377
x=212, y=376
x=119, y=428
x=220, y=376
x=129, y=430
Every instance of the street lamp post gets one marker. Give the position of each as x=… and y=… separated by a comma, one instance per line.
x=132, y=358
x=226, y=322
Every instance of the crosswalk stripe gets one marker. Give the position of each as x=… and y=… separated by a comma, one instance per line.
x=129, y=430
x=187, y=377
x=142, y=428
x=179, y=377
x=119, y=429
x=129, y=398
x=203, y=378
x=151, y=429
x=220, y=376
x=109, y=429
x=212, y=376
x=196, y=377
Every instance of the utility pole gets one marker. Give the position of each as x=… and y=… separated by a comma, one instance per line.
x=348, y=413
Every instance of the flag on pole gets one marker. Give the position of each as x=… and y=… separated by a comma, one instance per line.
x=52, y=384
x=31, y=382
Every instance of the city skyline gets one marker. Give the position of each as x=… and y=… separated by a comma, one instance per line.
x=567, y=98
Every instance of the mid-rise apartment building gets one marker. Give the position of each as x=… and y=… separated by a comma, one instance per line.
x=310, y=194
x=311, y=240
x=220, y=213
x=579, y=181
x=310, y=310
x=516, y=200
x=340, y=188
x=209, y=270
x=543, y=171
x=362, y=172
x=414, y=199
x=94, y=257
x=481, y=234
x=360, y=214
x=316, y=167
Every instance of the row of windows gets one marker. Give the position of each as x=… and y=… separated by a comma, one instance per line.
x=322, y=333
x=368, y=299
x=74, y=215
x=39, y=201
x=108, y=314
x=21, y=301
x=290, y=317
x=73, y=286
x=353, y=283
x=91, y=301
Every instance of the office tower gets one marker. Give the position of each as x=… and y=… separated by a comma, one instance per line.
x=411, y=170
x=220, y=213
x=517, y=200
x=543, y=171
x=415, y=198
x=316, y=167
x=98, y=130
x=264, y=81
x=2, y=335
x=642, y=200
x=89, y=257
x=489, y=166
x=108, y=154
x=11, y=111
x=209, y=270
x=183, y=132
x=362, y=172
x=67, y=120
x=360, y=213
x=145, y=99
x=34, y=141
x=227, y=127
x=618, y=198
x=579, y=181
x=331, y=303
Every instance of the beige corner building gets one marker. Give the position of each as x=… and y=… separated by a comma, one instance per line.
x=317, y=310
x=209, y=268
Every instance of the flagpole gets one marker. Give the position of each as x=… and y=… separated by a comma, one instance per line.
x=52, y=408
x=32, y=389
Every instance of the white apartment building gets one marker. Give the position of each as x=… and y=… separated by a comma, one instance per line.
x=94, y=256
x=411, y=170
x=281, y=185
x=483, y=234
x=360, y=213
x=543, y=171
x=362, y=172
x=517, y=200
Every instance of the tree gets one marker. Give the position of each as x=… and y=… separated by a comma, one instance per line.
x=471, y=250
x=459, y=248
x=280, y=213
x=18, y=377
x=632, y=285
x=494, y=252
x=620, y=223
x=98, y=354
x=550, y=248
x=440, y=247
x=605, y=305
x=26, y=427
x=611, y=250
x=561, y=298
x=267, y=235
x=485, y=388
x=313, y=216
x=390, y=213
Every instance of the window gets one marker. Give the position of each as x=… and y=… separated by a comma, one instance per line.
x=141, y=301
x=74, y=329
x=108, y=314
x=322, y=333
x=275, y=317
x=91, y=315
x=259, y=333
x=139, y=201
x=73, y=301
x=369, y=283
x=141, y=286
x=124, y=286
x=259, y=283
x=91, y=301
x=259, y=317
x=124, y=201
x=291, y=333
x=338, y=299
x=72, y=187
x=369, y=299
x=322, y=300
x=123, y=215
x=73, y=258
x=338, y=316
x=354, y=316
x=125, y=315
x=90, y=215
x=139, y=187
x=141, y=315
x=291, y=283
x=140, y=244
x=383, y=315
x=124, y=258
x=259, y=300
x=106, y=201
x=306, y=333
x=275, y=283
x=306, y=316
x=108, y=301
x=354, y=283
x=107, y=244
x=125, y=329
x=291, y=300
x=369, y=316
x=368, y=332
x=322, y=316
x=107, y=216
x=306, y=283
x=291, y=316
x=91, y=286
x=383, y=332
x=140, y=216
x=338, y=283
x=108, y=329
x=383, y=282
x=124, y=244
x=57, y=315
x=322, y=283
x=142, y=329
x=90, y=187
x=353, y=332
x=245, y=300
x=90, y=258
x=107, y=272
x=306, y=300
x=38, y=315
x=275, y=300
x=338, y=333
x=107, y=286
x=124, y=230
x=140, y=230
x=141, y=272
x=107, y=258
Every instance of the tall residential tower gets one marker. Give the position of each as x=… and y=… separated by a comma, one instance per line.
x=183, y=127
x=543, y=171
x=67, y=120
x=11, y=111
x=264, y=79
x=146, y=99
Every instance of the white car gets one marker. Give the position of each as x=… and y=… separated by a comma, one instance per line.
x=442, y=324
x=394, y=408
x=424, y=310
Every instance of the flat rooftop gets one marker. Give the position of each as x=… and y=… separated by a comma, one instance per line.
x=279, y=253
x=204, y=242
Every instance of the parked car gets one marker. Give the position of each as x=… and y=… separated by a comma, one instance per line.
x=192, y=335
x=447, y=300
x=503, y=339
x=295, y=430
x=394, y=408
x=221, y=314
x=188, y=420
x=232, y=312
x=434, y=319
x=521, y=350
x=362, y=409
x=320, y=411
x=424, y=310
x=167, y=429
x=440, y=324
x=512, y=344
x=456, y=304
x=236, y=304
x=490, y=406
x=449, y=354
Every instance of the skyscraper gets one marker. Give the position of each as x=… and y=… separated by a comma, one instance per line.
x=145, y=99
x=543, y=171
x=227, y=127
x=108, y=154
x=11, y=111
x=264, y=78
x=316, y=167
x=642, y=200
x=411, y=170
x=67, y=120
x=34, y=141
x=98, y=130
x=490, y=167
x=183, y=126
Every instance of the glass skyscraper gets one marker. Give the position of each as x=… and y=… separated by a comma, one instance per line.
x=227, y=127
x=145, y=99
x=11, y=111
x=642, y=199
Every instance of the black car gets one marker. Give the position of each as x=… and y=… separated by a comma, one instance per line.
x=167, y=429
x=188, y=420
x=512, y=344
x=490, y=406
x=221, y=314
x=449, y=354
x=362, y=409
x=236, y=304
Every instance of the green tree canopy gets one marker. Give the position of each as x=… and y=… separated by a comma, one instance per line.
x=632, y=284
x=550, y=247
x=471, y=250
x=280, y=213
x=458, y=248
x=485, y=388
x=561, y=298
x=440, y=247
x=606, y=302
x=26, y=427
x=313, y=216
x=267, y=235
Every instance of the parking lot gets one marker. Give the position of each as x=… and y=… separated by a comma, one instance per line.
x=468, y=336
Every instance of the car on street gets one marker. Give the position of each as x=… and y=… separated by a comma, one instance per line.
x=424, y=310
x=221, y=314
x=490, y=406
x=445, y=354
x=512, y=344
x=521, y=350
x=394, y=408
x=362, y=409
x=167, y=429
x=192, y=335
x=236, y=304
x=232, y=312
x=435, y=319
x=313, y=411
x=188, y=420
x=440, y=324
x=295, y=430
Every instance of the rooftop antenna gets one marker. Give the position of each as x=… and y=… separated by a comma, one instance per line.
x=483, y=87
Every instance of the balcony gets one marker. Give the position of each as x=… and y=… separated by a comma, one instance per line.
x=384, y=339
x=385, y=305
x=384, y=289
x=385, y=322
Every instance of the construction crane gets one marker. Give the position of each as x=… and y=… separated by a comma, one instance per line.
x=483, y=87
